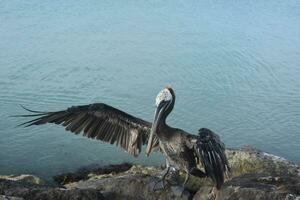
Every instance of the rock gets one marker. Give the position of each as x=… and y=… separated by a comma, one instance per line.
x=254, y=175
x=136, y=183
x=25, y=178
x=248, y=187
x=85, y=173
x=42, y=192
x=3, y=197
x=128, y=186
x=249, y=160
x=60, y=194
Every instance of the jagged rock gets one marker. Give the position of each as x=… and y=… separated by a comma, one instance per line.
x=86, y=172
x=25, y=178
x=251, y=187
x=3, y=197
x=255, y=175
x=29, y=191
x=249, y=160
x=128, y=186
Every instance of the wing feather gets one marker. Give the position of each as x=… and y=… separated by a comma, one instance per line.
x=210, y=152
x=99, y=121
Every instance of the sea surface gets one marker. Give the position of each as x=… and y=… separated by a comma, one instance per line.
x=234, y=65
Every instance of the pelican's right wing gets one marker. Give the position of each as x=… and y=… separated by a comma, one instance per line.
x=209, y=151
x=99, y=121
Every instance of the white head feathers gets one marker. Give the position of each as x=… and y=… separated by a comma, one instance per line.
x=164, y=95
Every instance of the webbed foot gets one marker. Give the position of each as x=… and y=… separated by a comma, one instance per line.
x=178, y=190
x=158, y=185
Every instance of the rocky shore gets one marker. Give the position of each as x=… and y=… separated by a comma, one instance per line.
x=255, y=175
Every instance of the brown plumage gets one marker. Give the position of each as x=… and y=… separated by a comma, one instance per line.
x=99, y=121
x=183, y=151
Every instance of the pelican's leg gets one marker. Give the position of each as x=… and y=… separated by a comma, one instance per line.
x=178, y=190
x=163, y=178
x=166, y=172
x=164, y=175
x=187, y=177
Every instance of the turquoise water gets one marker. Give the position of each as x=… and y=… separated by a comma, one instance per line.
x=234, y=65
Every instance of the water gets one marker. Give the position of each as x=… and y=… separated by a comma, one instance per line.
x=234, y=65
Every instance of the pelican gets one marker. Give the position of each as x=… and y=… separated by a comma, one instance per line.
x=183, y=151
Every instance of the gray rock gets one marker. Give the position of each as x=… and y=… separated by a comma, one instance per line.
x=249, y=160
x=42, y=192
x=3, y=197
x=250, y=187
x=255, y=175
x=26, y=178
x=83, y=173
x=128, y=186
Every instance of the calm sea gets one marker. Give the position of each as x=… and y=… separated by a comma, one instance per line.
x=234, y=65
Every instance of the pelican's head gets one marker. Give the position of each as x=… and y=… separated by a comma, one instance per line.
x=164, y=95
x=164, y=103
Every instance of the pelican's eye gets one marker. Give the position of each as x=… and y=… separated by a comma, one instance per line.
x=164, y=95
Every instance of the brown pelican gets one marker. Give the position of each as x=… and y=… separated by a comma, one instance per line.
x=183, y=151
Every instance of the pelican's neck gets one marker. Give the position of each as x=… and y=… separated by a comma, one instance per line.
x=162, y=123
x=164, y=116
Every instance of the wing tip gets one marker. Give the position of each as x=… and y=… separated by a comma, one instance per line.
x=37, y=114
x=33, y=111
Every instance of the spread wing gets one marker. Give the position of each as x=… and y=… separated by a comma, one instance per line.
x=210, y=152
x=99, y=121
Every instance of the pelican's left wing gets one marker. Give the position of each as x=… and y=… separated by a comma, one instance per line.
x=99, y=121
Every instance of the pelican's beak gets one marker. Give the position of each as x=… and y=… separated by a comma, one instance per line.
x=157, y=117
